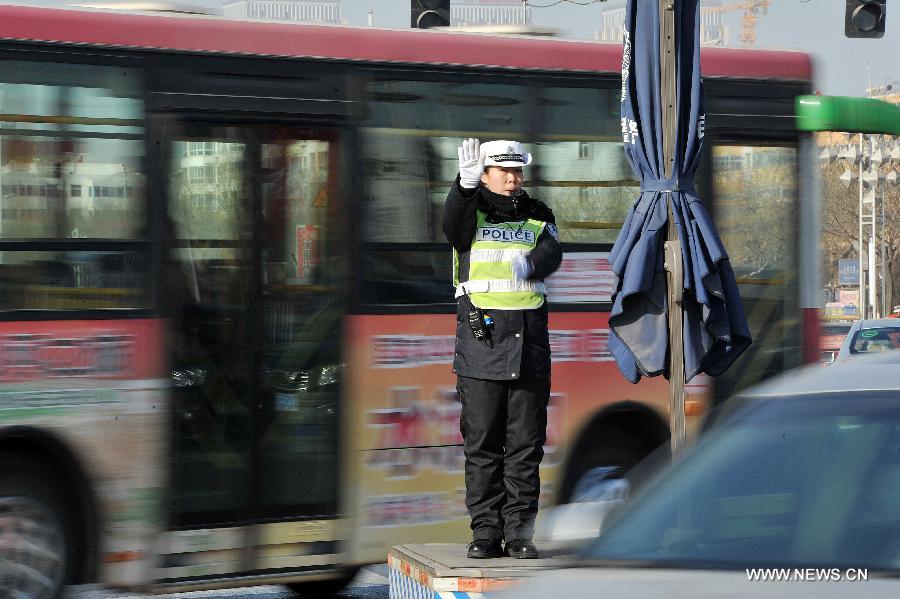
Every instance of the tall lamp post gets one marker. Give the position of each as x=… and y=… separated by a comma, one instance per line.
x=869, y=163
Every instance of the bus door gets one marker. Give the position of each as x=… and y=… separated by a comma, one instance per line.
x=254, y=292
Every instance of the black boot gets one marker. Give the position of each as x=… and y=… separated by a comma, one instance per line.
x=484, y=548
x=521, y=549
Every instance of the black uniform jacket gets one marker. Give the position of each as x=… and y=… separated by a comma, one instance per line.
x=519, y=344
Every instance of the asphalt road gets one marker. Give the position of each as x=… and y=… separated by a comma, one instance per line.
x=370, y=583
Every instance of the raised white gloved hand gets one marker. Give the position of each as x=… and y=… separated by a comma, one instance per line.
x=471, y=163
x=521, y=267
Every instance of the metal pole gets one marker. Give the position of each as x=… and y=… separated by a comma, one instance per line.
x=674, y=293
x=873, y=224
x=862, y=273
x=667, y=80
x=673, y=264
x=873, y=283
x=884, y=309
x=884, y=305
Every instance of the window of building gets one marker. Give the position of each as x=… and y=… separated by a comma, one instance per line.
x=584, y=150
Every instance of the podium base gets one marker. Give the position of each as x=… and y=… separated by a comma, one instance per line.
x=442, y=570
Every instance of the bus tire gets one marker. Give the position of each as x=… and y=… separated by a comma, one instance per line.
x=324, y=588
x=35, y=518
x=615, y=449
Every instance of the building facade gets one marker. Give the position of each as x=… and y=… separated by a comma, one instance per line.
x=888, y=92
x=293, y=11
x=468, y=13
x=612, y=23
x=713, y=31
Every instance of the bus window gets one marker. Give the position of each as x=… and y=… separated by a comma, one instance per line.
x=257, y=344
x=72, y=280
x=410, y=141
x=756, y=208
x=304, y=288
x=207, y=291
x=409, y=144
x=71, y=152
x=71, y=155
x=585, y=177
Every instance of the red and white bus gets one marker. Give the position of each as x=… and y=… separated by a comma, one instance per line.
x=227, y=315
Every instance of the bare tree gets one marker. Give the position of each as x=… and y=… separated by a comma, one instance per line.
x=840, y=226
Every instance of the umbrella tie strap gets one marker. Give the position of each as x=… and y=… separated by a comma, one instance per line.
x=667, y=185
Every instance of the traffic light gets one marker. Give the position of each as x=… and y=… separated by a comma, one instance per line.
x=865, y=18
x=430, y=13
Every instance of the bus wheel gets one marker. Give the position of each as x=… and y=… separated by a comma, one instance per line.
x=603, y=468
x=34, y=533
x=324, y=588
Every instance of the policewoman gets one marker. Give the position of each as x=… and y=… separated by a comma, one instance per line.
x=505, y=244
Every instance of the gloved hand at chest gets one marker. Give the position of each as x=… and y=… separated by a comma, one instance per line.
x=522, y=268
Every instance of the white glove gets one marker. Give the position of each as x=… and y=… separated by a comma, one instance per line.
x=521, y=267
x=471, y=163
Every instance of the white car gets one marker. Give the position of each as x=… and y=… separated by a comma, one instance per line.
x=797, y=480
x=870, y=336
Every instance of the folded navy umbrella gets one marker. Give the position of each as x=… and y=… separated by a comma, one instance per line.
x=715, y=327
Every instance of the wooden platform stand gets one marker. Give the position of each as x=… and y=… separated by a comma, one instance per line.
x=442, y=571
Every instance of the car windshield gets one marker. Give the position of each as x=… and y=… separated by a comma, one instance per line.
x=875, y=340
x=801, y=482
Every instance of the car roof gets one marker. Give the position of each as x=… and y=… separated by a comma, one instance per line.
x=879, y=323
x=878, y=372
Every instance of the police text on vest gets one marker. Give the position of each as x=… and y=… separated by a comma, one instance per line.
x=504, y=235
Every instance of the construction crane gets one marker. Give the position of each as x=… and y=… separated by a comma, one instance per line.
x=752, y=10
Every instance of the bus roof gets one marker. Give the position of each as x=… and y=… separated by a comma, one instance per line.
x=847, y=114
x=228, y=36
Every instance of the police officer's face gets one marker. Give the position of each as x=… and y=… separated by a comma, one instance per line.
x=503, y=180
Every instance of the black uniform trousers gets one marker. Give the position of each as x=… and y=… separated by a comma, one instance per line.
x=504, y=427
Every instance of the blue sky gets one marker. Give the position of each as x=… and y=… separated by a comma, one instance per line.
x=815, y=26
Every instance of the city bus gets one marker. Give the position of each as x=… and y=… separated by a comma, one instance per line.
x=227, y=319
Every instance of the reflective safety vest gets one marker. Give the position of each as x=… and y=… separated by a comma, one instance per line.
x=490, y=283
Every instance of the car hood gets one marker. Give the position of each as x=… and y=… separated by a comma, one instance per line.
x=590, y=583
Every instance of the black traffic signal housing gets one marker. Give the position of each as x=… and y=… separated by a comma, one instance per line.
x=865, y=18
x=430, y=13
